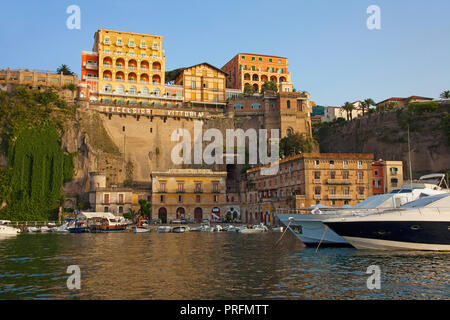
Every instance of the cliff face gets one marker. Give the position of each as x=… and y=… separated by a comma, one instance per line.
x=382, y=135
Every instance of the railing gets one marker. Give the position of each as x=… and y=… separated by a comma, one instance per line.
x=317, y=196
x=132, y=68
x=156, y=70
x=119, y=43
x=339, y=181
x=339, y=196
x=316, y=181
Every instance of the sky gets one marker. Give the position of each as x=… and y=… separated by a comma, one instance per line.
x=331, y=52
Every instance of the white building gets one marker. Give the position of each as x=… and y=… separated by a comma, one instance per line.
x=332, y=113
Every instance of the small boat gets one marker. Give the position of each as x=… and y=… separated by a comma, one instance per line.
x=181, y=229
x=278, y=229
x=105, y=224
x=8, y=230
x=77, y=227
x=33, y=229
x=140, y=230
x=218, y=228
x=164, y=229
x=255, y=229
x=44, y=229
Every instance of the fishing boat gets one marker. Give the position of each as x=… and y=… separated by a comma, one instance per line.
x=308, y=227
x=5, y=229
x=164, y=229
x=419, y=225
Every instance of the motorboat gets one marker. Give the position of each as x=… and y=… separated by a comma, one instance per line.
x=308, y=227
x=180, y=229
x=278, y=229
x=44, y=229
x=164, y=229
x=33, y=229
x=231, y=228
x=105, y=224
x=423, y=224
x=218, y=228
x=255, y=229
x=141, y=230
x=5, y=229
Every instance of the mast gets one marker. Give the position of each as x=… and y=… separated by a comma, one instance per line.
x=409, y=156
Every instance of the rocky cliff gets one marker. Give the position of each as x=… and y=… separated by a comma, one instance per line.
x=386, y=136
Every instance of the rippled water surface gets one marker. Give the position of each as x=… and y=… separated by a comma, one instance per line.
x=210, y=266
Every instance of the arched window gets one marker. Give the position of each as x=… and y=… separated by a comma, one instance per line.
x=289, y=131
x=120, y=89
x=144, y=90
x=132, y=90
x=108, y=87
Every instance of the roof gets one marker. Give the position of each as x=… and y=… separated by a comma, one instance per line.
x=403, y=99
x=209, y=65
x=258, y=54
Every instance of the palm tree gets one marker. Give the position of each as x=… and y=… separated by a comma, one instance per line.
x=445, y=94
x=64, y=68
x=366, y=105
x=348, y=107
x=145, y=210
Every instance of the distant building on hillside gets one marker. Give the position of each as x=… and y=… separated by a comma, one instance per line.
x=333, y=113
x=400, y=103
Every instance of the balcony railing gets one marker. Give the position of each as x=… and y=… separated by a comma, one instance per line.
x=155, y=47
x=120, y=80
x=143, y=46
x=106, y=42
x=132, y=81
x=91, y=66
x=317, y=196
x=144, y=69
x=340, y=196
x=339, y=181
x=119, y=67
x=316, y=181
x=144, y=81
x=132, y=68
x=119, y=43
x=156, y=70
x=361, y=197
x=131, y=45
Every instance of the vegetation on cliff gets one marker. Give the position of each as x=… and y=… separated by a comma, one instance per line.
x=296, y=143
x=31, y=127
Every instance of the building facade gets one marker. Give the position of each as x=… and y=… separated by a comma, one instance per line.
x=255, y=69
x=188, y=194
x=400, y=103
x=35, y=78
x=304, y=180
x=332, y=113
x=387, y=176
x=203, y=83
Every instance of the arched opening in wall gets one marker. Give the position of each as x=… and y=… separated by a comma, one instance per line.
x=120, y=63
x=289, y=131
x=156, y=79
x=198, y=215
x=120, y=89
x=274, y=79
x=247, y=76
x=144, y=78
x=107, y=62
x=255, y=77
x=162, y=215
x=107, y=87
x=145, y=66
x=288, y=104
x=132, y=77
x=120, y=76
x=156, y=66
x=181, y=213
x=264, y=78
x=107, y=75
x=132, y=64
x=282, y=79
x=132, y=90
x=256, y=87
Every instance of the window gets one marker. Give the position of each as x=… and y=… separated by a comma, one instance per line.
x=198, y=198
x=180, y=198
x=288, y=104
x=331, y=163
x=215, y=187
x=106, y=198
x=375, y=172
x=121, y=198
x=162, y=187
x=243, y=57
x=193, y=84
x=333, y=174
x=361, y=190
x=360, y=164
x=198, y=187
x=260, y=59
x=270, y=59
x=345, y=164
x=162, y=198
x=394, y=182
x=180, y=187
x=316, y=163
x=256, y=105
x=253, y=68
x=317, y=190
x=345, y=174
x=394, y=171
x=333, y=190
x=216, y=198
x=253, y=58
x=360, y=175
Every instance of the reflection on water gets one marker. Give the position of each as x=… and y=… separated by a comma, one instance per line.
x=210, y=266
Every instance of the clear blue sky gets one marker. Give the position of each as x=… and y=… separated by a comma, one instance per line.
x=331, y=52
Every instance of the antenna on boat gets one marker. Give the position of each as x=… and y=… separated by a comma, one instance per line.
x=409, y=156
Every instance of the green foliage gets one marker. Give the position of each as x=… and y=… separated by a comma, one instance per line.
x=172, y=75
x=269, y=86
x=64, y=68
x=70, y=87
x=296, y=143
x=318, y=110
x=445, y=94
x=348, y=107
x=31, y=126
x=414, y=113
x=145, y=208
x=249, y=89
x=421, y=107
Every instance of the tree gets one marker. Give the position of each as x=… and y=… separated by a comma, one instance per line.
x=145, y=210
x=348, y=107
x=269, y=86
x=64, y=68
x=249, y=89
x=366, y=104
x=445, y=94
x=296, y=143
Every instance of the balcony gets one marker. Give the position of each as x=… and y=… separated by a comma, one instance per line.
x=156, y=70
x=120, y=80
x=132, y=81
x=92, y=66
x=132, y=68
x=361, y=197
x=107, y=65
x=317, y=197
x=155, y=47
x=143, y=46
x=106, y=42
x=119, y=43
x=119, y=67
x=143, y=81
x=339, y=196
x=131, y=45
x=145, y=69
x=317, y=181
x=339, y=181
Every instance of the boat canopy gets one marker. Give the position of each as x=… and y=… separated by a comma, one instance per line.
x=88, y=215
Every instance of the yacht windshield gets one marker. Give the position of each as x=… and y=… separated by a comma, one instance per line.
x=422, y=202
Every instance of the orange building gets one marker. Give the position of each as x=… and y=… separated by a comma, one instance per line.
x=377, y=177
x=255, y=69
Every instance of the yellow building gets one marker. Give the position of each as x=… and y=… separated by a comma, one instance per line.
x=36, y=79
x=203, y=83
x=131, y=67
x=188, y=194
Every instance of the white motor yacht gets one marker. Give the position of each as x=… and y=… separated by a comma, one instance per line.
x=423, y=224
x=5, y=229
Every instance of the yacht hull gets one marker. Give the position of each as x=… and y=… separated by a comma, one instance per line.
x=310, y=230
x=395, y=235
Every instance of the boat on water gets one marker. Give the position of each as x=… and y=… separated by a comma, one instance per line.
x=141, y=230
x=278, y=229
x=255, y=229
x=105, y=224
x=164, y=229
x=423, y=224
x=203, y=228
x=308, y=227
x=180, y=229
x=6, y=229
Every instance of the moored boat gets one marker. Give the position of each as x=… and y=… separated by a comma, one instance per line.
x=141, y=230
x=5, y=229
x=164, y=229
x=419, y=225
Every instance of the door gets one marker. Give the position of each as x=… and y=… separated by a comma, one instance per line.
x=162, y=214
x=198, y=215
